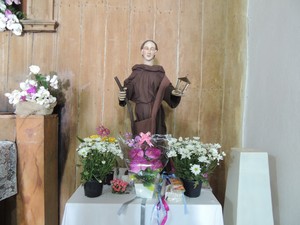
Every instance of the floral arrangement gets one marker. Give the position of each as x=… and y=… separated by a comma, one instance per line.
x=145, y=156
x=37, y=88
x=98, y=155
x=192, y=159
x=10, y=16
x=118, y=186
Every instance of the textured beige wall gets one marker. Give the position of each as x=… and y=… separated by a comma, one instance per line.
x=97, y=40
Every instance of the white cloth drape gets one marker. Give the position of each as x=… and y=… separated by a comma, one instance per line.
x=81, y=210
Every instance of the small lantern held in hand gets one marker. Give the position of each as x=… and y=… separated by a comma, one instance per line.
x=181, y=86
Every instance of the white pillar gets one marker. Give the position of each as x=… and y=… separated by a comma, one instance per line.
x=248, y=194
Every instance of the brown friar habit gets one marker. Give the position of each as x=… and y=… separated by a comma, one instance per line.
x=142, y=86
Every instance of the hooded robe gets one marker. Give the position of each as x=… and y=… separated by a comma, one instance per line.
x=142, y=86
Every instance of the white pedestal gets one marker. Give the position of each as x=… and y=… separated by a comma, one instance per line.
x=248, y=193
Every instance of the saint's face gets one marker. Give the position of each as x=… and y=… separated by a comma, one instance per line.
x=149, y=51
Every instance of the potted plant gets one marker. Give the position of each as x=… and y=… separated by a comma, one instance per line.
x=119, y=186
x=193, y=161
x=36, y=95
x=98, y=156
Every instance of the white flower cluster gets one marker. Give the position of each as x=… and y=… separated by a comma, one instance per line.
x=33, y=91
x=8, y=20
x=104, y=146
x=202, y=155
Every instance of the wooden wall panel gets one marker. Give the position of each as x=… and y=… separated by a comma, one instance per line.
x=116, y=62
x=3, y=70
x=97, y=40
x=91, y=67
x=142, y=26
x=68, y=67
x=190, y=62
x=43, y=11
x=212, y=72
x=17, y=64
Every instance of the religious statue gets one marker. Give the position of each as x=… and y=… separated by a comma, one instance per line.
x=147, y=87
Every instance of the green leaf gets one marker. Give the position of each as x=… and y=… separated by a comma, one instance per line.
x=80, y=139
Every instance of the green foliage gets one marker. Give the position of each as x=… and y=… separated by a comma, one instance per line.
x=183, y=169
x=15, y=10
x=147, y=176
x=96, y=165
x=41, y=80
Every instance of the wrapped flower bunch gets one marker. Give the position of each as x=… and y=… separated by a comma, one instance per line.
x=145, y=156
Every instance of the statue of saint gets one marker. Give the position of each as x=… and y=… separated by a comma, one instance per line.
x=147, y=87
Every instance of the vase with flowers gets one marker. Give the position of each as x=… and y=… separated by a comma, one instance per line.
x=193, y=161
x=145, y=156
x=36, y=95
x=98, y=155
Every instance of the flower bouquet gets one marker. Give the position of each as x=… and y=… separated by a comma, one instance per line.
x=194, y=160
x=10, y=16
x=36, y=94
x=98, y=155
x=145, y=156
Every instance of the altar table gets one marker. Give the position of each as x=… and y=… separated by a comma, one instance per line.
x=81, y=210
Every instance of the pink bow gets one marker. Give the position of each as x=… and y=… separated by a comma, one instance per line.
x=145, y=138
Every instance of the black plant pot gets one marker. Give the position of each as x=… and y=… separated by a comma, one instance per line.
x=109, y=177
x=93, y=188
x=190, y=189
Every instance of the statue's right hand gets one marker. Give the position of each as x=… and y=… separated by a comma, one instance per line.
x=122, y=94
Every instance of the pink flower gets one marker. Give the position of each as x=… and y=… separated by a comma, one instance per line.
x=136, y=165
x=205, y=175
x=31, y=90
x=156, y=164
x=136, y=153
x=23, y=98
x=119, y=185
x=8, y=14
x=10, y=2
x=103, y=131
x=153, y=153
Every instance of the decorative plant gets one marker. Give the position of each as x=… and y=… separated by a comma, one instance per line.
x=145, y=156
x=118, y=186
x=10, y=16
x=98, y=155
x=38, y=88
x=192, y=159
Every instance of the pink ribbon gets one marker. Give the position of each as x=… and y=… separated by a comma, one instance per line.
x=145, y=138
x=166, y=206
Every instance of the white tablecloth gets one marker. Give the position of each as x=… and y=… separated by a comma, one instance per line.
x=81, y=210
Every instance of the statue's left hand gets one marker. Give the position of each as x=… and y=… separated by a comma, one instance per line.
x=176, y=93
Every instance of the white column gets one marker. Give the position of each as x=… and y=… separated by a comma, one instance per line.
x=248, y=194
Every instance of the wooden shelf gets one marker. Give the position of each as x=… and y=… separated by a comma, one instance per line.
x=39, y=25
